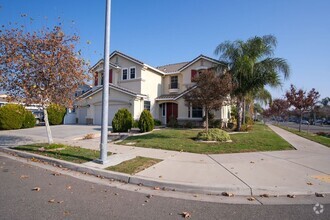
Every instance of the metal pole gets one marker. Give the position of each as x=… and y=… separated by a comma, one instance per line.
x=105, y=95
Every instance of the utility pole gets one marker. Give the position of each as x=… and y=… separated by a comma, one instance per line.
x=105, y=94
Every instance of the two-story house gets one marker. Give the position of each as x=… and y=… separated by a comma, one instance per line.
x=137, y=86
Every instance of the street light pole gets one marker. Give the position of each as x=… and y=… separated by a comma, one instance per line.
x=105, y=94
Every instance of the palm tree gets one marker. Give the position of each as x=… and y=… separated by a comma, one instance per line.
x=252, y=66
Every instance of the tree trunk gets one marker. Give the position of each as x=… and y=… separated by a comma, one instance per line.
x=239, y=113
x=49, y=133
x=207, y=120
x=300, y=122
x=243, y=112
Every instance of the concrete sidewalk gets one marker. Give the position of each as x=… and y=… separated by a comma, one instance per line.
x=302, y=171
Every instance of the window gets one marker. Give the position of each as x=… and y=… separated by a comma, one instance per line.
x=174, y=82
x=132, y=72
x=125, y=74
x=197, y=112
x=147, y=105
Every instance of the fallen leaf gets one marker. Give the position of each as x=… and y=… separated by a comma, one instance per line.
x=227, y=194
x=291, y=196
x=24, y=177
x=186, y=214
x=36, y=189
x=41, y=149
x=251, y=198
x=149, y=196
x=309, y=183
x=265, y=195
x=195, y=195
x=116, y=194
x=56, y=174
x=156, y=188
x=68, y=187
x=60, y=201
x=319, y=194
x=160, y=176
x=251, y=162
x=51, y=201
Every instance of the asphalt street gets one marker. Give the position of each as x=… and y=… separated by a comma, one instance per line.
x=309, y=128
x=60, y=196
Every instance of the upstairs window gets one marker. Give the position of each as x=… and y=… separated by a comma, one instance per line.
x=125, y=74
x=147, y=105
x=174, y=82
x=132, y=72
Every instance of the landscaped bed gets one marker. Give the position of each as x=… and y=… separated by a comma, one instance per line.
x=325, y=140
x=134, y=165
x=261, y=138
x=62, y=152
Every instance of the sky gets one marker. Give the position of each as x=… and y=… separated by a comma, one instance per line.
x=160, y=32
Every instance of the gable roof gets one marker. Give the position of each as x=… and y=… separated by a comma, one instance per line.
x=172, y=68
x=174, y=97
x=112, y=86
x=201, y=57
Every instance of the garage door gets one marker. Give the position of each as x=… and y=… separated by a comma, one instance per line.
x=82, y=113
x=113, y=108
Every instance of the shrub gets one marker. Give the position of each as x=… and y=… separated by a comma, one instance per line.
x=214, y=134
x=55, y=114
x=11, y=116
x=123, y=121
x=188, y=124
x=146, y=122
x=172, y=122
x=217, y=123
x=135, y=124
x=29, y=120
x=157, y=122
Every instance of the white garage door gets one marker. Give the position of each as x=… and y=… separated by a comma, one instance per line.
x=113, y=108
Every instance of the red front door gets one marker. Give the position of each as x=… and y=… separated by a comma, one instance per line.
x=171, y=111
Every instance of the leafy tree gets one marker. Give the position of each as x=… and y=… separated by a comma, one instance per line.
x=212, y=89
x=252, y=66
x=325, y=101
x=40, y=67
x=301, y=101
x=279, y=108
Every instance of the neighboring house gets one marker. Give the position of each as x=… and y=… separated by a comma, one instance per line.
x=137, y=86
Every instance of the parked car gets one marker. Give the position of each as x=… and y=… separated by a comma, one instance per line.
x=39, y=115
x=304, y=122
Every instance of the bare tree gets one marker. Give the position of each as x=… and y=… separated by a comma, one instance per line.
x=40, y=67
x=212, y=89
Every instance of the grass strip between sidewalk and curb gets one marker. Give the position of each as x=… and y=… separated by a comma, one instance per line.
x=310, y=136
x=61, y=152
x=261, y=138
x=135, y=165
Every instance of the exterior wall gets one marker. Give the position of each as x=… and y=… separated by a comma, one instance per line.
x=152, y=87
x=186, y=73
x=131, y=84
x=116, y=98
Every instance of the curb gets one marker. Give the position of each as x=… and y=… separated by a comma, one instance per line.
x=149, y=182
x=136, y=180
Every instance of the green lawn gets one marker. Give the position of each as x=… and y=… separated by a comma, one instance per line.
x=310, y=136
x=62, y=152
x=134, y=165
x=261, y=138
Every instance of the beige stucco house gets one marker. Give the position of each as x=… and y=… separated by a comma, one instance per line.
x=137, y=86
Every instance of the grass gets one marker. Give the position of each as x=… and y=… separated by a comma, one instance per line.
x=261, y=138
x=310, y=136
x=62, y=152
x=134, y=165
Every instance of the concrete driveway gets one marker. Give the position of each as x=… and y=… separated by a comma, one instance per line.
x=38, y=134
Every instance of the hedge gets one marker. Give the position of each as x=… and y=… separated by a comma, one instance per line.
x=123, y=121
x=56, y=114
x=146, y=122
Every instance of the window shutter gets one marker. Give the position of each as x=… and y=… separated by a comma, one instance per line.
x=110, y=76
x=193, y=75
x=96, y=79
